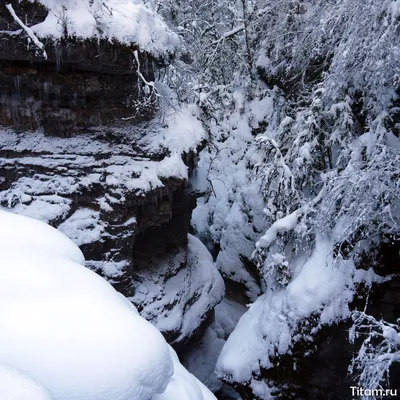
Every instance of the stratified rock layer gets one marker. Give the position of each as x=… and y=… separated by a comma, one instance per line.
x=81, y=83
x=128, y=209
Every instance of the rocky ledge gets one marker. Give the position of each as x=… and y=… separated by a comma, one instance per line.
x=123, y=196
x=64, y=76
x=128, y=212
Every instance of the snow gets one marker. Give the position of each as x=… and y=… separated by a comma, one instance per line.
x=183, y=130
x=177, y=129
x=321, y=286
x=202, y=357
x=111, y=270
x=231, y=215
x=70, y=168
x=172, y=166
x=179, y=292
x=281, y=225
x=15, y=385
x=92, y=188
x=123, y=20
x=46, y=208
x=394, y=9
x=17, y=231
x=67, y=328
x=391, y=334
x=184, y=385
x=83, y=227
x=259, y=109
x=317, y=124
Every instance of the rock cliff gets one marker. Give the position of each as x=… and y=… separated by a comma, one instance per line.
x=83, y=149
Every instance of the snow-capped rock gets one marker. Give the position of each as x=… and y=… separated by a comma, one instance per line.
x=67, y=328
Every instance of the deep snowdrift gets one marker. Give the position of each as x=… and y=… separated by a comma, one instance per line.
x=69, y=330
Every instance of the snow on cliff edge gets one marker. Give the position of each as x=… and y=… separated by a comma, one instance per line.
x=126, y=21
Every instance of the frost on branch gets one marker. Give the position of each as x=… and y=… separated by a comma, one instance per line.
x=380, y=349
x=28, y=30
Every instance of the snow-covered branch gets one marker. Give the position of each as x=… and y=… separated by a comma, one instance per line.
x=379, y=350
x=287, y=223
x=150, y=85
x=150, y=91
x=227, y=35
x=28, y=30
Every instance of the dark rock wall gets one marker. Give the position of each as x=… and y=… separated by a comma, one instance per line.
x=134, y=236
x=163, y=225
x=81, y=84
x=30, y=11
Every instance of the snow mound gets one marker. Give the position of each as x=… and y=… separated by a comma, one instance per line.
x=18, y=233
x=123, y=20
x=66, y=327
x=321, y=287
x=184, y=385
x=15, y=385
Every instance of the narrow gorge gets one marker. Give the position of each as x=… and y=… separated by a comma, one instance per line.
x=231, y=168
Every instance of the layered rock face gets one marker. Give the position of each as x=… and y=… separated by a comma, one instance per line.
x=118, y=188
x=78, y=84
x=129, y=213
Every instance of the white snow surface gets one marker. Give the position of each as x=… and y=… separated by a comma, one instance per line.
x=202, y=358
x=84, y=226
x=232, y=214
x=67, y=328
x=179, y=293
x=126, y=21
x=16, y=232
x=321, y=286
x=15, y=385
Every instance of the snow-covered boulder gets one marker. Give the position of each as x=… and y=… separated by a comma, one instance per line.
x=67, y=328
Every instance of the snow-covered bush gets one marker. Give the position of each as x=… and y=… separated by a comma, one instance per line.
x=68, y=330
x=379, y=350
x=337, y=138
x=212, y=51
